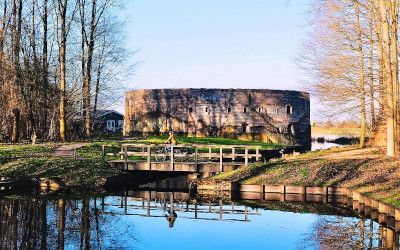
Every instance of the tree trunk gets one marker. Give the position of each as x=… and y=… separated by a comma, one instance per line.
x=17, y=23
x=45, y=70
x=371, y=67
x=388, y=79
x=395, y=68
x=16, y=120
x=2, y=36
x=62, y=58
x=381, y=87
x=88, y=75
x=361, y=75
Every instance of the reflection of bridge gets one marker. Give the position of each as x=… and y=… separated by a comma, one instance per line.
x=186, y=158
x=158, y=204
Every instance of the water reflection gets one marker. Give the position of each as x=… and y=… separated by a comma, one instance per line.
x=153, y=220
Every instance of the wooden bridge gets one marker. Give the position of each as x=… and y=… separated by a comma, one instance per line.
x=192, y=158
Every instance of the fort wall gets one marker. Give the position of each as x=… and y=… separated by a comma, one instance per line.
x=255, y=114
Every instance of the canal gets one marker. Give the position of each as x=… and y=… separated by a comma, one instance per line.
x=147, y=218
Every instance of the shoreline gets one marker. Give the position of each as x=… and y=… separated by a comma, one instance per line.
x=366, y=171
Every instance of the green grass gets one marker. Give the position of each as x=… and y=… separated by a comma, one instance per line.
x=12, y=152
x=208, y=140
x=82, y=173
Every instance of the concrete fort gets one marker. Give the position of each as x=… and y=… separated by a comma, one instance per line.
x=250, y=114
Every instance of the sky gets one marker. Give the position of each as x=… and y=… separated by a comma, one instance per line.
x=216, y=43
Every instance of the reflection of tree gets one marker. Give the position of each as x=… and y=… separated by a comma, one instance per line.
x=336, y=232
x=57, y=224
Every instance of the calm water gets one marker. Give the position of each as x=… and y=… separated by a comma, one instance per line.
x=324, y=145
x=166, y=220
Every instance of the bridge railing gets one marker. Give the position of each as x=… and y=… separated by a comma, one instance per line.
x=191, y=152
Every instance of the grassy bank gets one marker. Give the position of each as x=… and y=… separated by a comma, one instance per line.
x=89, y=169
x=367, y=171
x=12, y=152
x=84, y=173
x=37, y=161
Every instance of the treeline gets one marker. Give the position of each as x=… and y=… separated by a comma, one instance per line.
x=351, y=57
x=60, y=62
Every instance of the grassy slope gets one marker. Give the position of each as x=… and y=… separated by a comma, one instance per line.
x=12, y=152
x=83, y=173
x=365, y=170
x=36, y=161
x=27, y=161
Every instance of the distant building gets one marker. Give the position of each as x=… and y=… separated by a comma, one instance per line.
x=253, y=114
x=107, y=121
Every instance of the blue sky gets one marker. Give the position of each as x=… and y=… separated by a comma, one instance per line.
x=216, y=43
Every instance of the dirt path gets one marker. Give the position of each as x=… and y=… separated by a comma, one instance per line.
x=67, y=151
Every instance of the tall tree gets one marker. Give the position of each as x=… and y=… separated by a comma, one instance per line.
x=62, y=8
x=361, y=75
x=17, y=26
x=390, y=117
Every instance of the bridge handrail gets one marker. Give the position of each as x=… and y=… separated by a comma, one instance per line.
x=147, y=153
x=224, y=146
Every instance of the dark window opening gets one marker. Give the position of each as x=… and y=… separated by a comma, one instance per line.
x=289, y=110
x=229, y=110
x=260, y=110
x=190, y=110
x=244, y=128
x=244, y=110
x=207, y=110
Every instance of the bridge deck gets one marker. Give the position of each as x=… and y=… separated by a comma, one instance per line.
x=192, y=167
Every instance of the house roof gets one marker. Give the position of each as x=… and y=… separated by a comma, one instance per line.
x=104, y=112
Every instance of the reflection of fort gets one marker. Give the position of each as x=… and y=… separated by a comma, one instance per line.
x=260, y=114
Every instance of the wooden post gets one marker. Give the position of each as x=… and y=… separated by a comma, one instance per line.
x=172, y=158
x=148, y=205
x=233, y=154
x=171, y=204
x=246, y=156
x=257, y=154
x=149, y=157
x=126, y=202
x=74, y=153
x=196, y=155
x=103, y=152
x=126, y=157
x=209, y=153
x=245, y=214
x=220, y=209
x=195, y=210
x=221, y=166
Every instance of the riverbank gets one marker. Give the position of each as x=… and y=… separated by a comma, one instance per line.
x=366, y=171
x=81, y=165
